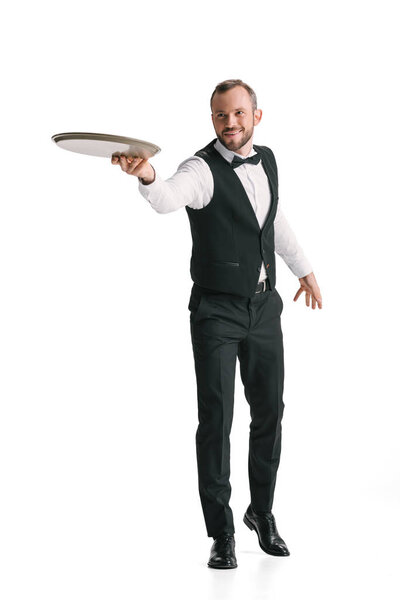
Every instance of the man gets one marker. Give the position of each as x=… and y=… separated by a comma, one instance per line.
x=237, y=226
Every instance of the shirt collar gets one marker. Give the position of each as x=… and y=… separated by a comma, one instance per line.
x=229, y=154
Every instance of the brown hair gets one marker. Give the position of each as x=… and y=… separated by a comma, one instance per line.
x=228, y=84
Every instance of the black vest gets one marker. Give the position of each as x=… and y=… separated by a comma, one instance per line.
x=228, y=244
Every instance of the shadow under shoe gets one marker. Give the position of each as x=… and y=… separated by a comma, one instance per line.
x=223, y=552
x=268, y=537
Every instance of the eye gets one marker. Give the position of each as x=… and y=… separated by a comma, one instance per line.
x=240, y=112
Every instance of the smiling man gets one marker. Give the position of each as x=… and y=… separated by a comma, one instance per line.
x=235, y=127
x=230, y=191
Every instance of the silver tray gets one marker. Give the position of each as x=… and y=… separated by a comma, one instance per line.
x=103, y=144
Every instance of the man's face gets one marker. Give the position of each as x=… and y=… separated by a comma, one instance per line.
x=234, y=120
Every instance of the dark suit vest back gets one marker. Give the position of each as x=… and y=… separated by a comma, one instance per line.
x=228, y=243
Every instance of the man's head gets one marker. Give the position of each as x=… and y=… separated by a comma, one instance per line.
x=234, y=114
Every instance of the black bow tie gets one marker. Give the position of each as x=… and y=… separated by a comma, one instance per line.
x=254, y=160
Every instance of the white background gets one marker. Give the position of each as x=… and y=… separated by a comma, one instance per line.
x=98, y=406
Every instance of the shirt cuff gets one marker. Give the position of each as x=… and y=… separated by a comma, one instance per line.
x=301, y=268
x=148, y=189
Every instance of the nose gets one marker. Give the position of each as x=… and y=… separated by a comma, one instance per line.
x=231, y=121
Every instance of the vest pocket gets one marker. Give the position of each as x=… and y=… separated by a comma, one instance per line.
x=225, y=263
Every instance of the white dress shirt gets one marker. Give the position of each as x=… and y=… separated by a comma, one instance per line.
x=193, y=185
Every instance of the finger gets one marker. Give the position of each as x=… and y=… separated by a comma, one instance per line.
x=318, y=297
x=123, y=163
x=135, y=162
x=313, y=302
x=308, y=298
x=298, y=293
x=133, y=166
x=115, y=160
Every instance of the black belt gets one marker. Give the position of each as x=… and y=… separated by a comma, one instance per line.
x=262, y=286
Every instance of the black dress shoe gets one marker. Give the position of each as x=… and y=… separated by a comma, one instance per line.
x=269, y=539
x=223, y=552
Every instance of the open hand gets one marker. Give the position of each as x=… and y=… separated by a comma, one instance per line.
x=308, y=284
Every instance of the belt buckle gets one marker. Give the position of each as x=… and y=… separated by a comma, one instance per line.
x=264, y=287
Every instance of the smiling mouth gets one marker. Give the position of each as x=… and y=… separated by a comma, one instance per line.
x=233, y=133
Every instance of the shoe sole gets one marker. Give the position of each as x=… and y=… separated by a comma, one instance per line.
x=220, y=567
x=251, y=526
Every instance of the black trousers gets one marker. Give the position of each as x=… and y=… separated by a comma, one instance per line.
x=224, y=327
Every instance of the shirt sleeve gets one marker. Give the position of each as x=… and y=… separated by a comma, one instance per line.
x=288, y=248
x=192, y=185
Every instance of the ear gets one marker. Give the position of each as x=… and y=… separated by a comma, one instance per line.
x=257, y=116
